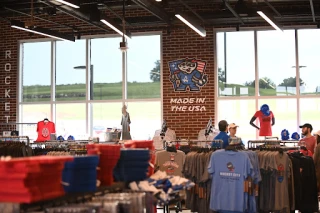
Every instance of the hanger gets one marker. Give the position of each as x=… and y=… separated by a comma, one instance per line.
x=170, y=147
x=231, y=148
x=46, y=120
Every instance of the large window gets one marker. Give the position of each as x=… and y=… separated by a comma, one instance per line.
x=309, y=63
x=88, y=90
x=144, y=67
x=36, y=70
x=310, y=112
x=105, y=115
x=145, y=118
x=71, y=120
x=106, y=68
x=70, y=70
x=239, y=112
x=280, y=74
x=276, y=60
x=236, y=66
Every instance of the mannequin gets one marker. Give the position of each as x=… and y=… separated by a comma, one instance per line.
x=125, y=122
x=266, y=120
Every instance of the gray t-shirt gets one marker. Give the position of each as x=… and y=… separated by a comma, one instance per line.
x=281, y=188
x=170, y=162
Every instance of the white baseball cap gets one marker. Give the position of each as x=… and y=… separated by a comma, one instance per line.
x=317, y=133
x=232, y=125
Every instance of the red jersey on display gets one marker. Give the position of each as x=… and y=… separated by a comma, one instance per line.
x=265, y=123
x=44, y=130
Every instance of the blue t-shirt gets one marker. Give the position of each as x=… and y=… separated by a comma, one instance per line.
x=229, y=169
x=224, y=137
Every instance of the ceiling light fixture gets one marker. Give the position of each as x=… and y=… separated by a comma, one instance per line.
x=68, y=3
x=41, y=31
x=114, y=28
x=158, y=0
x=269, y=21
x=192, y=24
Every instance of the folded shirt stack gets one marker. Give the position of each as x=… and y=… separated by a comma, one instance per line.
x=80, y=175
x=26, y=180
x=132, y=165
x=147, y=144
x=108, y=159
x=163, y=186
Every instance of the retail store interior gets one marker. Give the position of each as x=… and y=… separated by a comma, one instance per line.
x=149, y=106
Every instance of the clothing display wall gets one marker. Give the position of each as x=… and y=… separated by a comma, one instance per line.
x=195, y=169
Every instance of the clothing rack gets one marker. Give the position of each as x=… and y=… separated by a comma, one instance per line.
x=253, y=143
x=15, y=139
x=77, y=147
x=290, y=142
x=62, y=143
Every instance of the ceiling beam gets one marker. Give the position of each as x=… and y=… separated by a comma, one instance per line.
x=42, y=19
x=191, y=10
x=75, y=13
x=312, y=11
x=233, y=11
x=273, y=8
x=154, y=9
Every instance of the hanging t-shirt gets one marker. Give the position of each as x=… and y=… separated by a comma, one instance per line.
x=265, y=123
x=44, y=130
x=170, y=162
x=281, y=187
x=229, y=170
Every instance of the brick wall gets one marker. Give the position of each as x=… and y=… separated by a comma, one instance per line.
x=8, y=73
x=179, y=43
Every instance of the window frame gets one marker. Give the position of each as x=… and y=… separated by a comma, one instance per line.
x=258, y=98
x=87, y=101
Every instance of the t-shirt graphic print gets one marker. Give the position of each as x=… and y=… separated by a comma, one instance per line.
x=229, y=170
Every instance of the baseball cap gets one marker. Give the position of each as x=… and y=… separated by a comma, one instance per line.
x=317, y=133
x=232, y=125
x=307, y=125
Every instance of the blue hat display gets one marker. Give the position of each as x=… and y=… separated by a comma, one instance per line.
x=295, y=136
x=60, y=138
x=70, y=138
x=265, y=109
x=285, y=134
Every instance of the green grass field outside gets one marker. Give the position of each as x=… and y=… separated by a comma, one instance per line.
x=108, y=91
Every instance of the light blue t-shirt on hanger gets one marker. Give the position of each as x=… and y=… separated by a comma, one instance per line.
x=229, y=169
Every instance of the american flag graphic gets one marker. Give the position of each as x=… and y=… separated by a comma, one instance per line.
x=201, y=65
x=174, y=66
